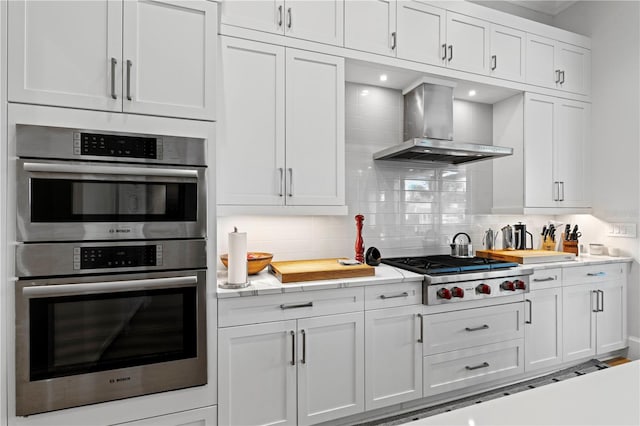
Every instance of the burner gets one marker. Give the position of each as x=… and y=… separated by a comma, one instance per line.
x=444, y=264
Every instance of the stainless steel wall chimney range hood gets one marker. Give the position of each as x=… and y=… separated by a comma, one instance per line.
x=428, y=130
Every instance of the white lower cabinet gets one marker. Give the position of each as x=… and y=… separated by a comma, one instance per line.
x=543, y=328
x=201, y=417
x=393, y=355
x=594, y=309
x=291, y=372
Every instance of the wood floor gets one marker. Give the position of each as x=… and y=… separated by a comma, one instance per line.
x=616, y=361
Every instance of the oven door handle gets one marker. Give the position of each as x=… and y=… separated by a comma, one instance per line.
x=108, y=286
x=107, y=170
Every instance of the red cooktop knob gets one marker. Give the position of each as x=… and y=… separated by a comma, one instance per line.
x=457, y=292
x=520, y=285
x=508, y=285
x=483, y=289
x=444, y=293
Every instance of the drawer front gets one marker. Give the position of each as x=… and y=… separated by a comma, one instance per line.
x=392, y=295
x=459, y=369
x=473, y=327
x=279, y=307
x=545, y=278
x=593, y=273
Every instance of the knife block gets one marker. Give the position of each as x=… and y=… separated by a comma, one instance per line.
x=570, y=246
x=548, y=245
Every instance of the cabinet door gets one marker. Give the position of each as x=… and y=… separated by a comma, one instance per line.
x=393, y=351
x=314, y=129
x=370, y=26
x=330, y=367
x=612, y=318
x=66, y=53
x=421, y=32
x=539, y=119
x=507, y=53
x=315, y=20
x=161, y=76
x=468, y=40
x=578, y=322
x=257, y=374
x=541, y=69
x=543, y=329
x=261, y=15
x=250, y=141
x=575, y=64
x=571, y=147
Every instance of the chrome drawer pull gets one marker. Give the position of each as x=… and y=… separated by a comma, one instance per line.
x=300, y=305
x=596, y=274
x=539, y=280
x=475, y=367
x=482, y=327
x=404, y=294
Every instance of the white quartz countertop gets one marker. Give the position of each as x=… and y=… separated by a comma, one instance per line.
x=582, y=260
x=605, y=397
x=266, y=283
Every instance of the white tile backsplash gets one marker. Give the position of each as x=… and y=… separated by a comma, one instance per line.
x=409, y=209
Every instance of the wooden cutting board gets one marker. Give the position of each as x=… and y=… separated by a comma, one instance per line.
x=317, y=269
x=526, y=257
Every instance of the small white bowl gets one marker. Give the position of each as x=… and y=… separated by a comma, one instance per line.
x=614, y=251
x=596, y=249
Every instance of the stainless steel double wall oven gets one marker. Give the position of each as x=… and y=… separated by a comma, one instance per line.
x=110, y=300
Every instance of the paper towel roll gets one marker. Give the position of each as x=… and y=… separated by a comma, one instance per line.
x=237, y=257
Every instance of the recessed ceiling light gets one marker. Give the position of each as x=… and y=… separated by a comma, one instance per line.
x=383, y=77
x=472, y=92
x=365, y=92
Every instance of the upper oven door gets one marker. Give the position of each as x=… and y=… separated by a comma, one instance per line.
x=63, y=201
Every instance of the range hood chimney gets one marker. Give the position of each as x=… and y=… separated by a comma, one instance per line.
x=428, y=130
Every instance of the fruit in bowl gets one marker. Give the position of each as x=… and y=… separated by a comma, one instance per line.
x=256, y=261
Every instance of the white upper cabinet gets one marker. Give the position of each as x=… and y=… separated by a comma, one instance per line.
x=300, y=163
x=467, y=43
x=557, y=65
x=315, y=20
x=115, y=56
x=371, y=26
x=422, y=32
x=507, y=59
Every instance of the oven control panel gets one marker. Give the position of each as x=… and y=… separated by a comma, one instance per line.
x=437, y=294
x=116, y=256
x=117, y=145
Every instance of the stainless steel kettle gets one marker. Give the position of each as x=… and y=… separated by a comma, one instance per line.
x=461, y=249
x=489, y=239
x=507, y=238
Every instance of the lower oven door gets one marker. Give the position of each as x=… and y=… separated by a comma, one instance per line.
x=86, y=340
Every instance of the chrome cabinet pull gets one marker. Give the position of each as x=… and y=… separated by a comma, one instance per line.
x=596, y=274
x=289, y=18
x=304, y=347
x=281, y=170
x=475, y=367
x=530, y=311
x=562, y=184
x=279, y=16
x=114, y=62
x=557, y=76
x=290, y=181
x=129, y=65
x=597, y=309
x=384, y=297
x=562, y=75
x=602, y=300
x=494, y=62
x=421, y=339
x=444, y=52
x=298, y=305
x=538, y=280
x=393, y=40
x=450, y=52
x=556, y=196
x=293, y=347
x=482, y=327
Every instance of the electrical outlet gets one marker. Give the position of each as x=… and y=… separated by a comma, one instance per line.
x=626, y=230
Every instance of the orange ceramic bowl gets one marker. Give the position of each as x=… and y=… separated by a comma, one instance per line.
x=256, y=261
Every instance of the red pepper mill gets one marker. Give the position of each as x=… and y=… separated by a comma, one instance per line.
x=359, y=241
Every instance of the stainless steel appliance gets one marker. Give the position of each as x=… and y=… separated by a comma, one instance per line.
x=451, y=280
x=78, y=184
x=428, y=130
x=84, y=336
x=461, y=249
x=520, y=236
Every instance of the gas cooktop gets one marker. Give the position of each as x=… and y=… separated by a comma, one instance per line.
x=447, y=265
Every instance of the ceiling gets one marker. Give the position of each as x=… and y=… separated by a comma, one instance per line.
x=397, y=78
x=548, y=7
